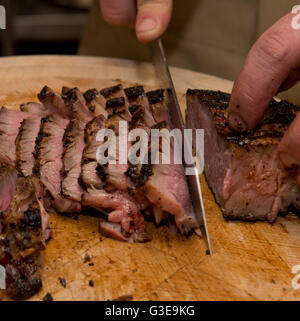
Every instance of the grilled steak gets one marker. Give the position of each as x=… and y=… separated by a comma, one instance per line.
x=8, y=186
x=95, y=102
x=25, y=145
x=116, y=102
x=242, y=168
x=35, y=109
x=73, y=148
x=10, y=122
x=89, y=176
x=23, y=238
x=48, y=161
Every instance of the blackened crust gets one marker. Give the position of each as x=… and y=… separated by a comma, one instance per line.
x=115, y=102
x=134, y=92
x=106, y=92
x=155, y=96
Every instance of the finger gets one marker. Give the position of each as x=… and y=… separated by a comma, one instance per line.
x=268, y=64
x=289, y=148
x=119, y=12
x=153, y=18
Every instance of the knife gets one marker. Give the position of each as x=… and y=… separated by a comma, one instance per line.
x=164, y=77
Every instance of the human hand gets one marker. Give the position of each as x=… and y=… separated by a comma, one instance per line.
x=150, y=18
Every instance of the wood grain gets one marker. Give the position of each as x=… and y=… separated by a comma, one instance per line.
x=251, y=261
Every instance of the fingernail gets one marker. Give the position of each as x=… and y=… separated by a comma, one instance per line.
x=146, y=24
x=287, y=160
x=237, y=123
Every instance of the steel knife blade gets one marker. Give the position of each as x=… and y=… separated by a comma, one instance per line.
x=164, y=77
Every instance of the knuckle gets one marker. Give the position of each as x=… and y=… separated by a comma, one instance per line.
x=273, y=46
x=162, y=4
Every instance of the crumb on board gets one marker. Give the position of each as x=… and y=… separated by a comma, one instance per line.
x=63, y=282
x=48, y=297
x=86, y=258
x=91, y=283
x=125, y=297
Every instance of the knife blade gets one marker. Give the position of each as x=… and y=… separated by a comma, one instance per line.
x=164, y=77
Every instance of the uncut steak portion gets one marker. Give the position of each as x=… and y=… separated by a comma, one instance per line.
x=242, y=168
x=48, y=161
x=23, y=238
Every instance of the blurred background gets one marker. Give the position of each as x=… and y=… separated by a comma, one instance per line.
x=43, y=26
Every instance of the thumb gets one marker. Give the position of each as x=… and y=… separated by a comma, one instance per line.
x=153, y=17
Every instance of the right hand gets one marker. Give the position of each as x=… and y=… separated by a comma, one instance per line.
x=150, y=18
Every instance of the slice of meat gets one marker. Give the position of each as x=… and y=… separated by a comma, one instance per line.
x=54, y=103
x=48, y=161
x=95, y=102
x=35, y=109
x=242, y=168
x=8, y=186
x=116, y=102
x=164, y=185
x=123, y=211
x=22, y=240
x=158, y=105
x=76, y=102
x=139, y=105
x=89, y=177
x=73, y=149
x=25, y=145
x=10, y=122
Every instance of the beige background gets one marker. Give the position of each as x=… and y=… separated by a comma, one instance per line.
x=210, y=36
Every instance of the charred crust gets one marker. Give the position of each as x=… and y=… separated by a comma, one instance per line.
x=38, y=143
x=276, y=119
x=65, y=89
x=146, y=172
x=134, y=92
x=45, y=92
x=19, y=162
x=106, y=92
x=115, y=112
x=91, y=94
x=23, y=288
x=101, y=172
x=32, y=218
x=133, y=109
x=160, y=125
x=115, y=102
x=155, y=96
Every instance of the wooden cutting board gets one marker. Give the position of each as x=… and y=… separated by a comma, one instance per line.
x=251, y=261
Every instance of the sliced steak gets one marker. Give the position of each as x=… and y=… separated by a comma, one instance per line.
x=23, y=239
x=242, y=168
x=54, y=103
x=116, y=102
x=164, y=185
x=139, y=106
x=158, y=105
x=25, y=145
x=10, y=122
x=89, y=176
x=76, y=102
x=95, y=102
x=35, y=109
x=48, y=161
x=73, y=148
x=8, y=186
x=123, y=211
